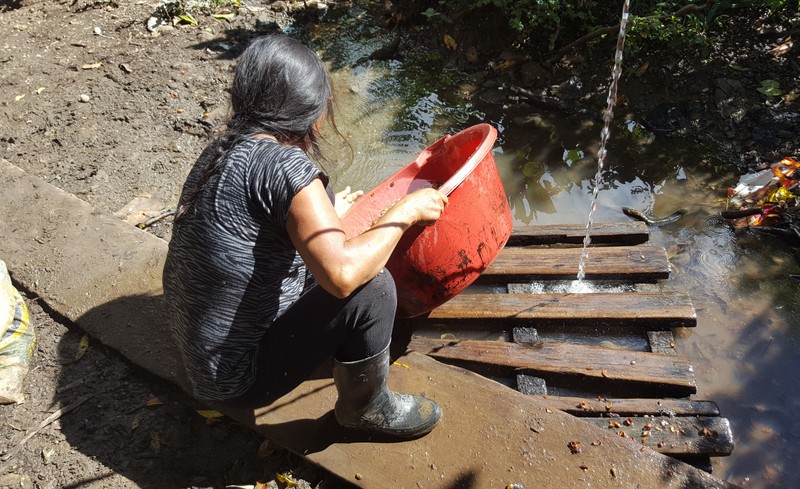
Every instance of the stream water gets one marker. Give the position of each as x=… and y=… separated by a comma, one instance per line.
x=745, y=346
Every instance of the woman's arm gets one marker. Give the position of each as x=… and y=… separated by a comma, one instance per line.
x=339, y=265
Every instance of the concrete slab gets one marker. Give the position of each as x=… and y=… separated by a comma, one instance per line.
x=105, y=276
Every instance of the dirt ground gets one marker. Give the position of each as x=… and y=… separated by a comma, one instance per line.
x=94, y=103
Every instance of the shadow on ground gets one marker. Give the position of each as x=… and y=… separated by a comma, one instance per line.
x=149, y=430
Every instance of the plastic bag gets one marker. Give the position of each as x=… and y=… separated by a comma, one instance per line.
x=17, y=340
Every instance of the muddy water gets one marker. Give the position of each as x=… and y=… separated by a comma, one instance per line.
x=745, y=347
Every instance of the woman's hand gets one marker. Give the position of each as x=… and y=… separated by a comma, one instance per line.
x=424, y=207
x=344, y=200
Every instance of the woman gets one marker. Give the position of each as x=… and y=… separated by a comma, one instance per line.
x=255, y=219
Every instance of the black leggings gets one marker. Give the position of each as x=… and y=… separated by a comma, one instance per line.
x=320, y=326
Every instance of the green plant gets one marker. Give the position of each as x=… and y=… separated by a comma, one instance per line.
x=527, y=15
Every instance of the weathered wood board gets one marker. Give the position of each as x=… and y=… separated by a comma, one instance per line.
x=672, y=373
x=620, y=233
x=646, y=310
x=583, y=407
x=644, y=262
x=674, y=436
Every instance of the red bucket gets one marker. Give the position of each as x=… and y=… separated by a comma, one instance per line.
x=432, y=264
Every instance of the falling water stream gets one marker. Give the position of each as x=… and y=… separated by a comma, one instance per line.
x=608, y=116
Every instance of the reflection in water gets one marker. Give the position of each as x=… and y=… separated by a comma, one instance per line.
x=745, y=346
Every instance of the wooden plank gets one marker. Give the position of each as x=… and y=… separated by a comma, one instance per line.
x=668, y=372
x=662, y=342
x=674, y=436
x=629, y=262
x=649, y=310
x=628, y=233
x=583, y=407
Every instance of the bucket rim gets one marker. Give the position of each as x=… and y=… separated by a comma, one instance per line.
x=489, y=136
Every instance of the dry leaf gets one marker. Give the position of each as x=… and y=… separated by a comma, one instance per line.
x=506, y=65
x=92, y=66
x=781, y=49
x=450, y=43
x=83, y=347
x=210, y=413
x=285, y=479
x=155, y=442
x=154, y=401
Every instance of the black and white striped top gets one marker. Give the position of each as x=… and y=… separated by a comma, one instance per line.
x=231, y=267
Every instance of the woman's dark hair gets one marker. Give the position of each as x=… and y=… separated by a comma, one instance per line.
x=281, y=88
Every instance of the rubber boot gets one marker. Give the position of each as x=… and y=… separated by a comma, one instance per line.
x=366, y=403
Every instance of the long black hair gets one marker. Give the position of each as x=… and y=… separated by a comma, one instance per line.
x=280, y=88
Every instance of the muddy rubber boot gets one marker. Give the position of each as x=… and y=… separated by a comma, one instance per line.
x=366, y=403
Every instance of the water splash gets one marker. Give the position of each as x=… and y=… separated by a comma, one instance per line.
x=608, y=115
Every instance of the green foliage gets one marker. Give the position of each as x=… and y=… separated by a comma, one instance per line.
x=770, y=88
x=528, y=15
x=652, y=22
x=663, y=29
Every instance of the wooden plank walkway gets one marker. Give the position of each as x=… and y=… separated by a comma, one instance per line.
x=669, y=372
x=641, y=263
x=569, y=366
x=105, y=276
x=646, y=310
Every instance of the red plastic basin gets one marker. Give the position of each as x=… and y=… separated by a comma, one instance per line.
x=432, y=264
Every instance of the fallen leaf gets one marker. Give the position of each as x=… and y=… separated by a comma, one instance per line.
x=188, y=18
x=155, y=442
x=19, y=97
x=450, y=43
x=781, y=49
x=210, y=413
x=83, y=347
x=402, y=365
x=506, y=65
x=92, y=66
x=154, y=401
x=285, y=479
x=39, y=90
